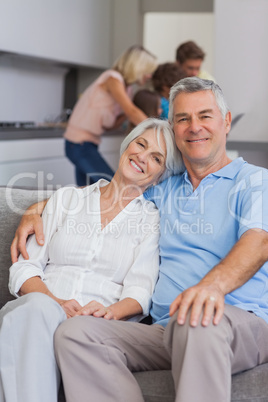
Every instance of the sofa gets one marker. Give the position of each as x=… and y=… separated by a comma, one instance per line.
x=156, y=386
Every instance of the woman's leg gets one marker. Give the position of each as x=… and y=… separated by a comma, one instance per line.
x=96, y=357
x=89, y=164
x=28, y=370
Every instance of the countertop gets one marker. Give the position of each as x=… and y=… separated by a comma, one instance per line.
x=12, y=134
x=57, y=131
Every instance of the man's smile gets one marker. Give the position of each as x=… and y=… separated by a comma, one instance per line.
x=199, y=140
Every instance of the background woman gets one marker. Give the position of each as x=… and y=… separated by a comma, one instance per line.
x=100, y=258
x=104, y=105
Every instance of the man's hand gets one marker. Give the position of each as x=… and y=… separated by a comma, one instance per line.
x=29, y=224
x=97, y=310
x=206, y=299
x=206, y=302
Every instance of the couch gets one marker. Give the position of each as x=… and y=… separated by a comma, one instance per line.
x=157, y=386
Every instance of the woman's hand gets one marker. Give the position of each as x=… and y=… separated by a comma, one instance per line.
x=71, y=307
x=121, y=310
x=31, y=222
x=97, y=310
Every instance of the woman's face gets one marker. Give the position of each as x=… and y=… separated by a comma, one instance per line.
x=143, y=162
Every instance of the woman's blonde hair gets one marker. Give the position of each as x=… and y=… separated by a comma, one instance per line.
x=134, y=63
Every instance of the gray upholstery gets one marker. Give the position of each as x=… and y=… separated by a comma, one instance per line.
x=157, y=386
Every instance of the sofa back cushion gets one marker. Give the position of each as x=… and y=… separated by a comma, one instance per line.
x=13, y=203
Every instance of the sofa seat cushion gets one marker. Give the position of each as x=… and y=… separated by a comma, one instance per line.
x=249, y=386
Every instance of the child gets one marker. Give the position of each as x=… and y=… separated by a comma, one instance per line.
x=149, y=102
x=164, y=77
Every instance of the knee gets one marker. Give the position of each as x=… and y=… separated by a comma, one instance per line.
x=39, y=307
x=205, y=337
x=69, y=331
x=32, y=311
x=79, y=330
x=39, y=303
x=65, y=333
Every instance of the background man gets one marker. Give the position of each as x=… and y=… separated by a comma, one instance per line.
x=190, y=57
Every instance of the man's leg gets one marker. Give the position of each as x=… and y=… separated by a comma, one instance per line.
x=204, y=358
x=96, y=358
x=28, y=369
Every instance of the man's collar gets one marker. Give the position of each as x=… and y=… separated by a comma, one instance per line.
x=229, y=171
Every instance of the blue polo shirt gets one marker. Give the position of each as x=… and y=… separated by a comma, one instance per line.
x=199, y=228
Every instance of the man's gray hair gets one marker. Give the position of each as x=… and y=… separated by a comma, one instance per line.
x=195, y=84
x=174, y=163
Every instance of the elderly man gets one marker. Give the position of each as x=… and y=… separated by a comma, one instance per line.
x=210, y=305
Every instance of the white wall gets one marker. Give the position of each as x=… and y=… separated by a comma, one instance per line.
x=163, y=32
x=30, y=91
x=241, y=64
x=126, y=26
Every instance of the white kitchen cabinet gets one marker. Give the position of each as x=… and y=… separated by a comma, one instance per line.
x=41, y=162
x=69, y=31
x=35, y=163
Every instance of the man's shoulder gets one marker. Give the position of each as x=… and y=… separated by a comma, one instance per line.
x=163, y=189
x=239, y=169
x=252, y=172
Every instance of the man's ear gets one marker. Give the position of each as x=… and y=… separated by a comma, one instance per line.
x=228, y=121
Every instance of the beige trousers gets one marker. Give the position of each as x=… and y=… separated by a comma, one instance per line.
x=96, y=356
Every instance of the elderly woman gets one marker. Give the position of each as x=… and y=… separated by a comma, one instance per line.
x=100, y=258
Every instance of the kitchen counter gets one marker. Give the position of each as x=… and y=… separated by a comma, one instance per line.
x=56, y=131
x=11, y=134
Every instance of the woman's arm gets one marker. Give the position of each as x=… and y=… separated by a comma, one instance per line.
x=118, y=92
x=35, y=284
x=26, y=276
x=31, y=222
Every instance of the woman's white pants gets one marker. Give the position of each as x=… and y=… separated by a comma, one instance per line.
x=28, y=369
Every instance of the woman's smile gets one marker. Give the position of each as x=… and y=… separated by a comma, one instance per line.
x=136, y=166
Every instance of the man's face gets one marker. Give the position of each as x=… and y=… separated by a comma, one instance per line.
x=191, y=67
x=200, y=131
